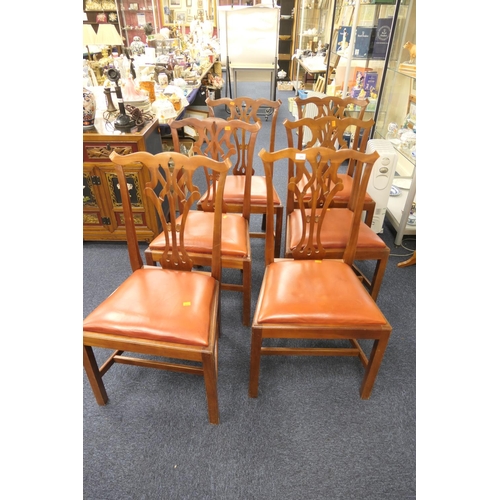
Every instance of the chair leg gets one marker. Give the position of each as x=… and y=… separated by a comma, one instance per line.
x=370, y=211
x=210, y=376
x=94, y=375
x=256, y=344
x=279, y=230
x=374, y=362
x=149, y=257
x=378, y=276
x=247, y=292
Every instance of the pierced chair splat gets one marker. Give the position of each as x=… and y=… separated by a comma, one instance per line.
x=252, y=111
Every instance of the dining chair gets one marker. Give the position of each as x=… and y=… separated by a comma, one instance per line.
x=218, y=139
x=312, y=296
x=330, y=132
x=329, y=105
x=338, y=133
x=172, y=311
x=251, y=110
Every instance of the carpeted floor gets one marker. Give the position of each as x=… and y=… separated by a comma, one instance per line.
x=307, y=436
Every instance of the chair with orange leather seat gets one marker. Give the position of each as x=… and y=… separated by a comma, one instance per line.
x=329, y=105
x=218, y=139
x=330, y=132
x=170, y=311
x=312, y=296
x=251, y=110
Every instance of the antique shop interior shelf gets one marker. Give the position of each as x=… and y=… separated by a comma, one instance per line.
x=134, y=15
x=95, y=8
x=102, y=205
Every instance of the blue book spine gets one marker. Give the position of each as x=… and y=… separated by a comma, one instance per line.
x=363, y=45
x=382, y=36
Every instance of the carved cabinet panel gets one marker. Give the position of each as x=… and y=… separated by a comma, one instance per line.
x=102, y=200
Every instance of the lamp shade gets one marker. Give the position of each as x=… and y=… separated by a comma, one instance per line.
x=107, y=35
x=89, y=35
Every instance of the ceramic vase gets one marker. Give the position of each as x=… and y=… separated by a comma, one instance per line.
x=89, y=107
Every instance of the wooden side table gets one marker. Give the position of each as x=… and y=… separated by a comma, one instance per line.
x=102, y=202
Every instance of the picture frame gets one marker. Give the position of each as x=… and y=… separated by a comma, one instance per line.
x=175, y=4
x=180, y=16
x=200, y=4
x=189, y=3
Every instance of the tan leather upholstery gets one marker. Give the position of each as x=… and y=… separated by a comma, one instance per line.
x=199, y=230
x=334, y=230
x=137, y=310
x=317, y=300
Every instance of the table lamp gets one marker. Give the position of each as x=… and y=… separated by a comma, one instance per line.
x=89, y=37
x=108, y=35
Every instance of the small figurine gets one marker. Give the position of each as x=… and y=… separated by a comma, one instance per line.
x=412, y=48
x=343, y=45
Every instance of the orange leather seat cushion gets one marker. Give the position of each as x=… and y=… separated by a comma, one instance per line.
x=198, y=236
x=335, y=230
x=306, y=292
x=158, y=304
x=235, y=186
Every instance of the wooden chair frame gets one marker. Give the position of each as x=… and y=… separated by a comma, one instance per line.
x=329, y=132
x=247, y=109
x=306, y=315
x=164, y=333
x=219, y=139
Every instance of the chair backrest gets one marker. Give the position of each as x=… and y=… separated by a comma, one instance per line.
x=219, y=139
x=249, y=110
x=314, y=197
x=328, y=105
x=329, y=132
x=172, y=188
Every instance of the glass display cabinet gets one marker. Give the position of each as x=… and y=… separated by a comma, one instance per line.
x=138, y=18
x=346, y=43
x=397, y=120
x=311, y=38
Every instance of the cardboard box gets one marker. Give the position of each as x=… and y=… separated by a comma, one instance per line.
x=363, y=45
x=382, y=36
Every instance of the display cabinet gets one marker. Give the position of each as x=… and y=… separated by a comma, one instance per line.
x=361, y=38
x=286, y=36
x=397, y=121
x=102, y=202
x=138, y=18
x=311, y=35
x=101, y=12
x=357, y=35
